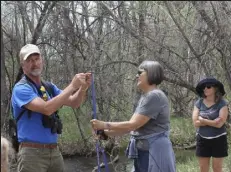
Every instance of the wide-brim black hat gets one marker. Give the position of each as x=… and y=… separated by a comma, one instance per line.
x=210, y=80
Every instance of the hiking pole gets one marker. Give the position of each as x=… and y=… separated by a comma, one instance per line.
x=98, y=148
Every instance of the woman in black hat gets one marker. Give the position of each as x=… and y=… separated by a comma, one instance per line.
x=209, y=115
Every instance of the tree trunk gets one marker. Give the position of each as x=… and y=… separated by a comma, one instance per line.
x=4, y=90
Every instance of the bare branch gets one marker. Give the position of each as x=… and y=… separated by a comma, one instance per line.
x=42, y=20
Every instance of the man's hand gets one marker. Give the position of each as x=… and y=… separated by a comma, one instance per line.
x=87, y=83
x=78, y=80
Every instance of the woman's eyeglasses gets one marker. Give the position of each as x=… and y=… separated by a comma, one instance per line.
x=140, y=72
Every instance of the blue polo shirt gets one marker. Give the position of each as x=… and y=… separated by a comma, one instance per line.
x=31, y=129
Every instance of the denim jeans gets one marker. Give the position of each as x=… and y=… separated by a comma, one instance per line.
x=141, y=163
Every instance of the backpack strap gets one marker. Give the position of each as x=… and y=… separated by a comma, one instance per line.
x=20, y=115
x=24, y=81
x=49, y=88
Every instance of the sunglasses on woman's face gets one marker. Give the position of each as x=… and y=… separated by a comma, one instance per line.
x=208, y=86
x=140, y=72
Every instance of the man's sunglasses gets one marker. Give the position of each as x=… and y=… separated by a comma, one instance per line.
x=44, y=94
x=140, y=72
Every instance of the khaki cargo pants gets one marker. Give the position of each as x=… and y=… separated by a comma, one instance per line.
x=40, y=160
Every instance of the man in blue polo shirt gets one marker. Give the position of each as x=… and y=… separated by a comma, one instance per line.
x=38, y=151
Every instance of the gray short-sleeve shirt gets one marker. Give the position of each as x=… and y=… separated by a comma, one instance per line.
x=155, y=105
x=210, y=113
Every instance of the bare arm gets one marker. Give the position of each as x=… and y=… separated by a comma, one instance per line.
x=50, y=106
x=134, y=123
x=79, y=97
x=218, y=122
x=76, y=99
x=195, y=117
x=112, y=133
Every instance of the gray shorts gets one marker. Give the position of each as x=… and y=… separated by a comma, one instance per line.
x=40, y=160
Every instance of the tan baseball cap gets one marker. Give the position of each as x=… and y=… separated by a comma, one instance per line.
x=27, y=50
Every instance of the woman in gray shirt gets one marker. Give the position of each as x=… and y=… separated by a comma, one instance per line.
x=209, y=115
x=149, y=146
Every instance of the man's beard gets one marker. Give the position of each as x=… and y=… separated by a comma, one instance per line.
x=36, y=72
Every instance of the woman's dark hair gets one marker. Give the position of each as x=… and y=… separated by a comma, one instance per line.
x=155, y=71
x=218, y=95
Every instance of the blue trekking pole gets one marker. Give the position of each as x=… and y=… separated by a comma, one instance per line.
x=98, y=149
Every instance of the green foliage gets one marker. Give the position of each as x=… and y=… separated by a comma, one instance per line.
x=71, y=131
x=182, y=131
